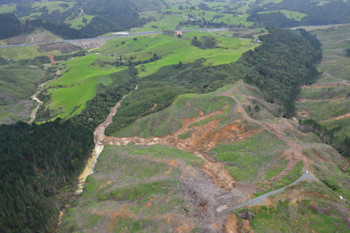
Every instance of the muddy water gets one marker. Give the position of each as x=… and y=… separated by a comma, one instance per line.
x=98, y=137
x=38, y=103
x=89, y=168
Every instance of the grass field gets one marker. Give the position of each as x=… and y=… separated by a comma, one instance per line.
x=7, y=9
x=161, y=23
x=26, y=52
x=17, y=84
x=77, y=22
x=254, y=158
x=325, y=109
x=70, y=92
x=172, y=50
x=289, y=14
x=335, y=79
x=52, y=5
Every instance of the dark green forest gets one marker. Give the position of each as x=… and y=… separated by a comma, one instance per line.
x=332, y=12
x=282, y=64
x=36, y=162
x=109, y=16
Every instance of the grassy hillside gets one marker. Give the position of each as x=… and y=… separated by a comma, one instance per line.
x=77, y=85
x=305, y=207
x=17, y=85
x=185, y=106
x=172, y=50
x=67, y=95
x=327, y=100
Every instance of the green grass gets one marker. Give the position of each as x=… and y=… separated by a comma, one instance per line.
x=134, y=225
x=289, y=14
x=173, y=50
x=246, y=160
x=325, y=109
x=324, y=93
x=139, y=191
x=132, y=169
x=162, y=152
x=169, y=120
x=70, y=92
x=336, y=179
x=77, y=22
x=342, y=124
x=7, y=9
x=25, y=52
x=184, y=135
x=17, y=84
x=71, y=224
x=122, y=181
x=161, y=23
x=52, y=5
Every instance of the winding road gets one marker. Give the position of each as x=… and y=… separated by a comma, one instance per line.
x=261, y=199
x=115, y=36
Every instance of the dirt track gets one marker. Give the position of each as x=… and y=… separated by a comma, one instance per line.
x=294, y=153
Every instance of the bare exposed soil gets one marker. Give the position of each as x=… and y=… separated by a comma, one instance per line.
x=64, y=48
x=212, y=189
x=310, y=100
x=345, y=116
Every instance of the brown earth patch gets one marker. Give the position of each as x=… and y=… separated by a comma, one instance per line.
x=303, y=113
x=203, y=138
x=338, y=84
x=231, y=224
x=246, y=226
x=105, y=185
x=52, y=59
x=219, y=175
x=345, y=116
x=178, y=223
x=311, y=100
x=64, y=48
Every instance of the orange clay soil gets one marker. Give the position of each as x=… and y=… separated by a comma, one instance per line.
x=179, y=223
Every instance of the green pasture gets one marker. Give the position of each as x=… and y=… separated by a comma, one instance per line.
x=52, y=5
x=7, y=8
x=161, y=23
x=17, y=84
x=77, y=22
x=172, y=50
x=70, y=92
x=25, y=52
x=324, y=109
x=289, y=14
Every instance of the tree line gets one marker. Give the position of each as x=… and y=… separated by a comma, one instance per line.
x=36, y=162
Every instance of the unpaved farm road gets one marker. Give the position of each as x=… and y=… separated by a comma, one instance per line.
x=116, y=36
x=261, y=199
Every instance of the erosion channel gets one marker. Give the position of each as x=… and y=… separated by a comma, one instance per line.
x=99, y=135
